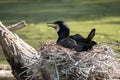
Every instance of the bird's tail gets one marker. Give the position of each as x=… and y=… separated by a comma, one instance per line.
x=91, y=35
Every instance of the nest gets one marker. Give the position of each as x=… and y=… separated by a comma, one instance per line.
x=58, y=63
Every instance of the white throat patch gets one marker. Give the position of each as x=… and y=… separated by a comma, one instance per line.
x=57, y=27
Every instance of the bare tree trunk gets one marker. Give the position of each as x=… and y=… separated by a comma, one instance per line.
x=16, y=26
x=17, y=52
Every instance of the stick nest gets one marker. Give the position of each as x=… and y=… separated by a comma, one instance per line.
x=58, y=63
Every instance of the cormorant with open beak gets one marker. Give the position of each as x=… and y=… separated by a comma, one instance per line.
x=77, y=42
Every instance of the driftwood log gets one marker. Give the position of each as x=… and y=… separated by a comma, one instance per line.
x=53, y=62
x=5, y=70
x=16, y=26
x=17, y=52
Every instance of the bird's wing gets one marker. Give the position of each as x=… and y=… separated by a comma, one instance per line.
x=71, y=44
x=78, y=38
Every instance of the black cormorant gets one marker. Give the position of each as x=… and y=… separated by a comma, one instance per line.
x=77, y=42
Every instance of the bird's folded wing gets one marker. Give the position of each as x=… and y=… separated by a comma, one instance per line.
x=71, y=44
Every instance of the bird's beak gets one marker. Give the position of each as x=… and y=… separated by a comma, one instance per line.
x=51, y=25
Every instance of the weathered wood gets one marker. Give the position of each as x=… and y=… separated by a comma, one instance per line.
x=17, y=26
x=4, y=67
x=17, y=52
x=6, y=75
x=5, y=72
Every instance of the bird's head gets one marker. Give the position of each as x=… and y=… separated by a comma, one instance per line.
x=57, y=25
x=61, y=28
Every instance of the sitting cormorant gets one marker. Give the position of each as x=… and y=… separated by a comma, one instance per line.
x=77, y=42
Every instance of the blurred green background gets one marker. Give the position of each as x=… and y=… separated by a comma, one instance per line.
x=80, y=15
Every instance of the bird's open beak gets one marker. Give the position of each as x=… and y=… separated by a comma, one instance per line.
x=54, y=25
x=51, y=25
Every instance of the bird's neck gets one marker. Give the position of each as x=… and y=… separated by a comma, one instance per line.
x=63, y=34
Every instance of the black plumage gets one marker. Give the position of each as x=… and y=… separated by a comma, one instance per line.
x=77, y=42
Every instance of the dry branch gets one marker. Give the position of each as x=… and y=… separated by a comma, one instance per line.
x=17, y=26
